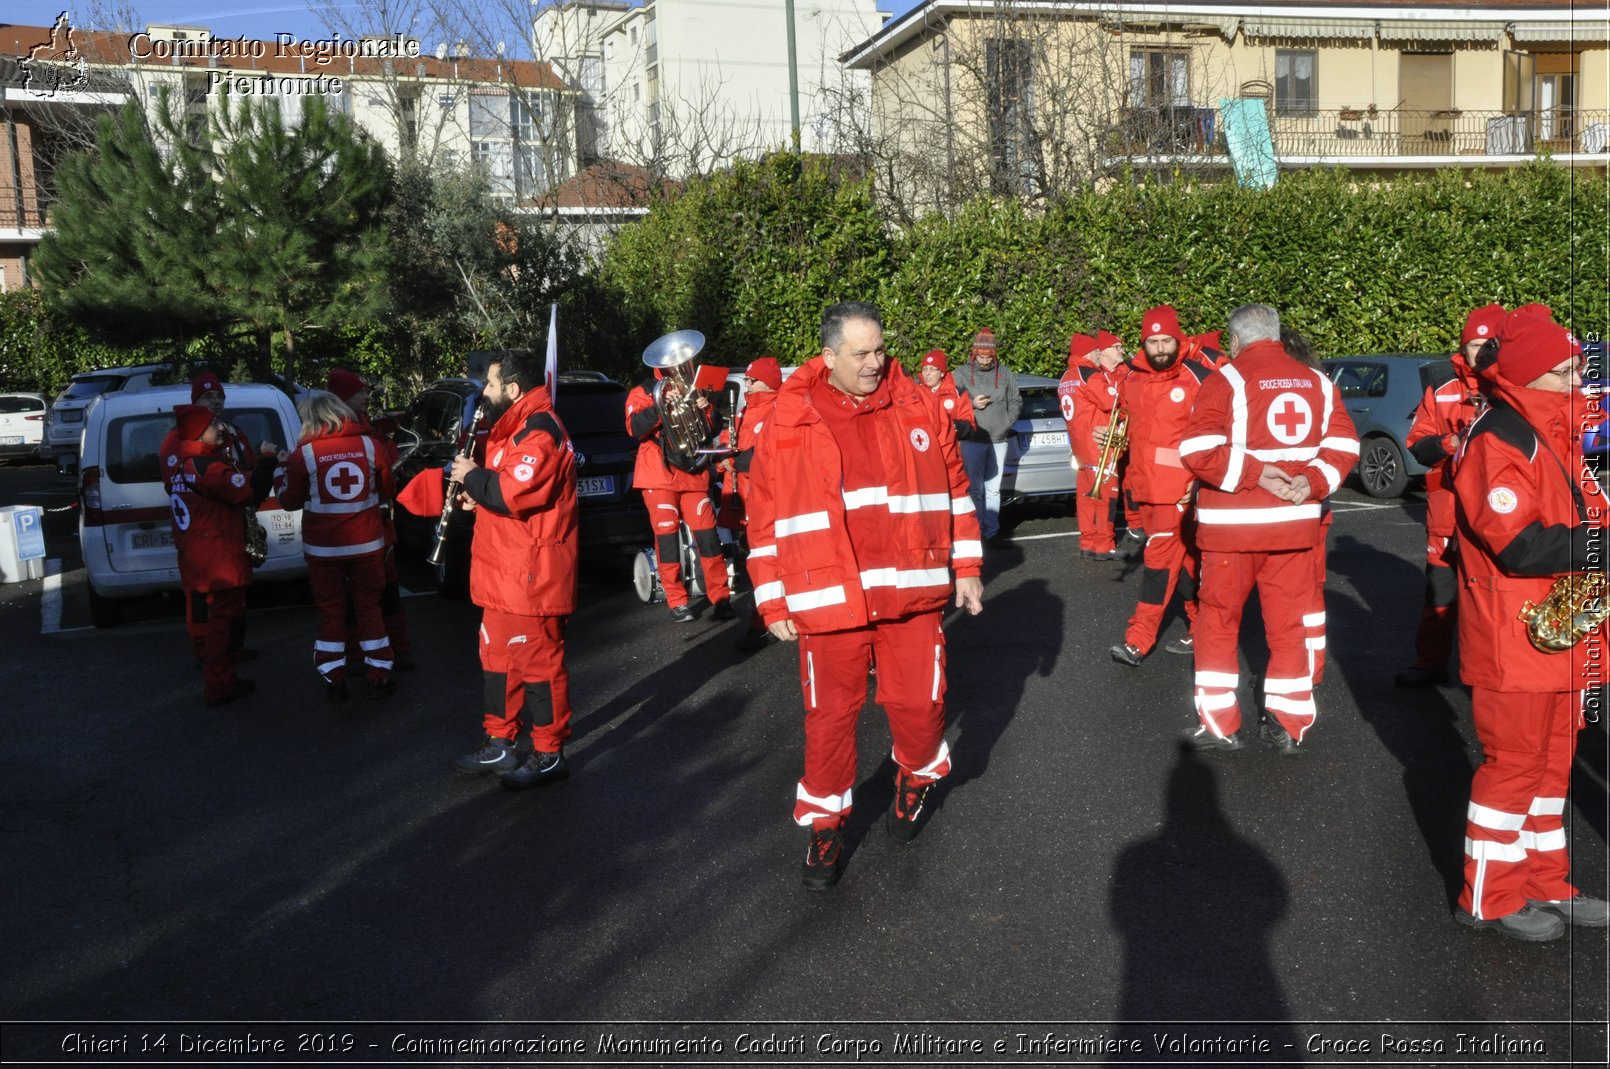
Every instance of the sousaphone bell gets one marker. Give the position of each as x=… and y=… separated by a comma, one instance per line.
x=683, y=428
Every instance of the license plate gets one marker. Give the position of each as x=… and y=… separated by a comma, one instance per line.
x=595, y=486
x=72, y=415
x=1045, y=440
x=151, y=539
x=277, y=521
x=10, y=439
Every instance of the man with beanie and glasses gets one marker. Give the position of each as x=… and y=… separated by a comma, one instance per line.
x=992, y=389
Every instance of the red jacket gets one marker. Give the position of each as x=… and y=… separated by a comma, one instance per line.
x=338, y=481
x=957, y=405
x=1086, y=396
x=1444, y=415
x=1159, y=405
x=751, y=421
x=807, y=495
x=523, y=558
x=209, y=497
x=652, y=472
x=1265, y=408
x=1519, y=527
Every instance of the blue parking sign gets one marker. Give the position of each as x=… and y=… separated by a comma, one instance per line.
x=29, y=522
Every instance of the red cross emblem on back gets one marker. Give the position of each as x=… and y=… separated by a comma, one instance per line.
x=1289, y=418
x=344, y=481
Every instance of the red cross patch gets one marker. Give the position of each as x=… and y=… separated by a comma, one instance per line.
x=1289, y=418
x=919, y=440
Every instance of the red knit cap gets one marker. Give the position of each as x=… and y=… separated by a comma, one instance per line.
x=1482, y=323
x=765, y=370
x=935, y=358
x=1213, y=339
x=345, y=384
x=1079, y=347
x=1530, y=344
x=1106, y=339
x=191, y=421
x=984, y=339
x=1161, y=320
x=206, y=383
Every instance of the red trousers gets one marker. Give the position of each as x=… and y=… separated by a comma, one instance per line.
x=1095, y=514
x=910, y=656
x=216, y=621
x=1285, y=582
x=1439, y=616
x=1314, y=617
x=334, y=581
x=667, y=509
x=523, y=666
x=1168, y=552
x=1515, y=826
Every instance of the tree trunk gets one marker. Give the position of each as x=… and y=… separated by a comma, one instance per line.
x=290, y=363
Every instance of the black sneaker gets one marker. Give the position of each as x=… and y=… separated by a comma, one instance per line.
x=237, y=690
x=822, y=857
x=539, y=768
x=1279, y=738
x=682, y=614
x=1583, y=910
x=1090, y=554
x=752, y=641
x=1419, y=677
x=723, y=610
x=909, y=794
x=1529, y=923
x=497, y=755
x=1124, y=653
x=335, y=691
x=1204, y=741
x=1183, y=644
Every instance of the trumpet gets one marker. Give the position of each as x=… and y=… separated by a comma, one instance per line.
x=1117, y=441
x=438, y=552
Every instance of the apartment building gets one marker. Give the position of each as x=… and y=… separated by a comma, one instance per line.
x=684, y=85
x=1028, y=96
x=446, y=107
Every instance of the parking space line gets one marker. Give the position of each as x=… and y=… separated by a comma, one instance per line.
x=50, y=602
x=1053, y=534
x=1360, y=506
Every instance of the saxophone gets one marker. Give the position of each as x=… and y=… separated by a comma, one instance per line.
x=1575, y=605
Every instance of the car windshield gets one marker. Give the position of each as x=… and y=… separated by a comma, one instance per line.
x=83, y=389
x=10, y=405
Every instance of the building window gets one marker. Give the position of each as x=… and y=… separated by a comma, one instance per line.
x=637, y=92
x=1296, y=90
x=1519, y=70
x=1159, y=79
x=1010, y=70
x=1554, y=93
x=632, y=36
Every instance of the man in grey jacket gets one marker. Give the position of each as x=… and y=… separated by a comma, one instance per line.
x=996, y=403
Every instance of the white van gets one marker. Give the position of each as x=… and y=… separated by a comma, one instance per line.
x=125, y=527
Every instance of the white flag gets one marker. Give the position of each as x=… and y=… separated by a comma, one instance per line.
x=553, y=350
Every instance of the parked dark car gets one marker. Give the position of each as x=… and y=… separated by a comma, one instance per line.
x=1381, y=394
x=592, y=407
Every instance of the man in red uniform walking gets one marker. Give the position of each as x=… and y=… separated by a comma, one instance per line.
x=525, y=498
x=1158, y=394
x=674, y=497
x=861, y=513
x=1086, y=395
x=1268, y=440
x=1528, y=511
x=1445, y=414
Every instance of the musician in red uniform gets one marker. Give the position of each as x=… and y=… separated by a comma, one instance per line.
x=209, y=497
x=1445, y=414
x=525, y=498
x=1527, y=511
x=861, y=513
x=337, y=475
x=934, y=373
x=1086, y=396
x=1268, y=440
x=674, y=496
x=1158, y=394
x=762, y=379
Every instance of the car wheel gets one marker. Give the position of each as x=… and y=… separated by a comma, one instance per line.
x=643, y=578
x=1381, y=468
x=104, y=612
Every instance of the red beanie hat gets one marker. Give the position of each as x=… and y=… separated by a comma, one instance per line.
x=1530, y=344
x=765, y=370
x=191, y=421
x=1080, y=346
x=984, y=339
x=206, y=383
x=1482, y=323
x=344, y=384
x=935, y=358
x=1106, y=339
x=1161, y=320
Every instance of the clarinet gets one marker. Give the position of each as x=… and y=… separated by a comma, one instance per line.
x=438, y=552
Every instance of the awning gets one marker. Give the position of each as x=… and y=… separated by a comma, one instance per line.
x=1440, y=30
x=1302, y=29
x=1584, y=29
x=1223, y=25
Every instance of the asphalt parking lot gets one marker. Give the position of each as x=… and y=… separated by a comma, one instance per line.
x=281, y=870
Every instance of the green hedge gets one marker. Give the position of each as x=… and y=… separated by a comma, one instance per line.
x=1359, y=266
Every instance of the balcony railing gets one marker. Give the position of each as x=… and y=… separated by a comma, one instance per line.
x=27, y=212
x=1349, y=132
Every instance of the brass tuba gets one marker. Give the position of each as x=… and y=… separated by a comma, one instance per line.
x=684, y=430
x=1575, y=605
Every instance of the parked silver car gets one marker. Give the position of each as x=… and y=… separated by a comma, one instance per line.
x=65, y=425
x=1039, y=462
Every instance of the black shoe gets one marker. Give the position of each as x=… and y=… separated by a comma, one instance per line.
x=496, y=755
x=238, y=689
x=1124, y=653
x=404, y=662
x=822, y=858
x=752, y=641
x=1529, y=923
x=1090, y=554
x=1183, y=644
x=335, y=691
x=723, y=610
x=682, y=614
x=1419, y=677
x=539, y=768
x=1279, y=738
x=384, y=689
x=1584, y=911
x=1204, y=741
x=909, y=794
